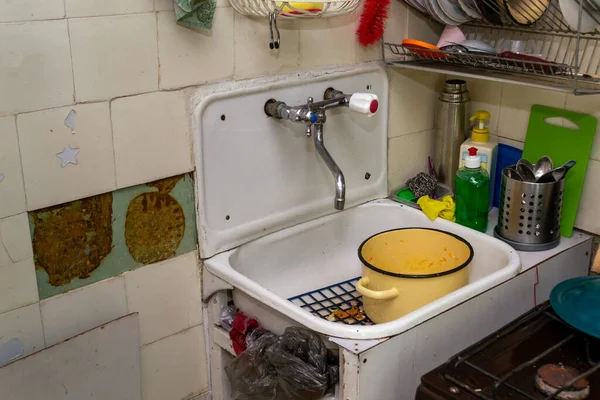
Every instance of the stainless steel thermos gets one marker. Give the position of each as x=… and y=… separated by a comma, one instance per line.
x=452, y=125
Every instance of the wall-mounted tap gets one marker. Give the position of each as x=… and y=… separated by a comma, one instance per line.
x=313, y=115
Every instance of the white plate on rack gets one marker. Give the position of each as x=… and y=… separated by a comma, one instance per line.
x=417, y=6
x=570, y=11
x=470, y=8
x=436, y=13
x=452, y=10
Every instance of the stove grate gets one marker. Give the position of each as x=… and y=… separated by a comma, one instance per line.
x=338, y=303
x=503, y=380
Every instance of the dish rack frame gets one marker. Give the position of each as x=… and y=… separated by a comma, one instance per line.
x=273, y=9
x=572, y=57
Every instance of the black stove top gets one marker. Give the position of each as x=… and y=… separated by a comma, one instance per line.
x=505, y=364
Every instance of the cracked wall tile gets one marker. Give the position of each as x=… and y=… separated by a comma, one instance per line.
x=18, y=286
x=14, y=233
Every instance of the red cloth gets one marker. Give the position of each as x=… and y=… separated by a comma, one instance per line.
x=241, y=327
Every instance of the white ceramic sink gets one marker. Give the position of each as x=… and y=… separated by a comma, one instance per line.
x=323, y=251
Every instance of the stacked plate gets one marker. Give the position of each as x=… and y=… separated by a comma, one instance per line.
x=457, y=12
x=511, y=12
x=448, y=12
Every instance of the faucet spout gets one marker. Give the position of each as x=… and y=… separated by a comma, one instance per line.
x=338, y=176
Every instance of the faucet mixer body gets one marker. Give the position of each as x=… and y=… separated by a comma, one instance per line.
x=313, y=115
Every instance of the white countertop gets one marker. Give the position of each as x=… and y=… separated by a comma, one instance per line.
x=530, y=259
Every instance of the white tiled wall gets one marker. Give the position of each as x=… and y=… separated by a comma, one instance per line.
x=43, y=134
x=18, y=286
x=413, y=98
x=167, y=297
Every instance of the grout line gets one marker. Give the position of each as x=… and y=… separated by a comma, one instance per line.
x=113, y=15
x=157, y=53
x=21, y=164
x=184, y=330
x=112, y=139
x=78, y=17
x=42, y=323
x=72, y=67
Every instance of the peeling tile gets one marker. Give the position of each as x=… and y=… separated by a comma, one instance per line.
x=89, y=240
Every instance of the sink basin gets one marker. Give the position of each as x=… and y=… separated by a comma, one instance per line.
x=322, y=252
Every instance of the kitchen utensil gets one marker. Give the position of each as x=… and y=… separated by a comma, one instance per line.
x=529, y=213
x=525, y=162
x=452, y=10
x=404, y=195
x=434, y=9
x=570, y=11
x=478, y=46
x=455, y=48
x=526, y=12
x=451, y=35
x=452, y=125
x=528, y=47
x=404, y=269
x=562, y=144
x=513, y=174
x=471, y=9
x=491, y=10
x=576, y=302
x=372, y=21
x=556, y=174
x=526, y=171
x=542, y=166
x=423, y=48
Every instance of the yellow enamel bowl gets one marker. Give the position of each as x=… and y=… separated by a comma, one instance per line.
x=405, y=269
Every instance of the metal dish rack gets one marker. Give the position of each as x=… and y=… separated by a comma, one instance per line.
x=572, y=58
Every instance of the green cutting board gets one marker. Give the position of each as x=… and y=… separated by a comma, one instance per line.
x=562, y=144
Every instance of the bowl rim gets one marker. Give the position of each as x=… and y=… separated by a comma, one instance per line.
x=450, y=271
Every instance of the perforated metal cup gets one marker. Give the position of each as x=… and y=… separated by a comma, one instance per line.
x=529, y=213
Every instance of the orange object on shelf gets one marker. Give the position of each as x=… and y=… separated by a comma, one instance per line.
x=423, y=49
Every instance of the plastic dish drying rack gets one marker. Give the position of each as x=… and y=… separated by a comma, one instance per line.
x=572, y=57
x=273, y=9
x=339, y=303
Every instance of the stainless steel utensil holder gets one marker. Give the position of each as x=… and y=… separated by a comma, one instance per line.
x=529, y=213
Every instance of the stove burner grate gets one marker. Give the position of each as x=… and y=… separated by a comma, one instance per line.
x=502, y=381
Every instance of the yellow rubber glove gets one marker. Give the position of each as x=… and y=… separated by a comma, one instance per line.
x=435, y=208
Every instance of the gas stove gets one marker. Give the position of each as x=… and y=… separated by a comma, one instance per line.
x=537, y=356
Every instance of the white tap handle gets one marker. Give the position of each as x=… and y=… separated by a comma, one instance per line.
x=364, y=103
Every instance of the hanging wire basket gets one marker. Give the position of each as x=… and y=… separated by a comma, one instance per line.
x=294, y=9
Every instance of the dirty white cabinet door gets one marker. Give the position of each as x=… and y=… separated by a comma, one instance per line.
x=103, y=363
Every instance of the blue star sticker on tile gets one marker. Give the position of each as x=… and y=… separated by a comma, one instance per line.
x=68, y=155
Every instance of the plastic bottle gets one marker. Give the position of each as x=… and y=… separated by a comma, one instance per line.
x=472, y=193
x=486, y=145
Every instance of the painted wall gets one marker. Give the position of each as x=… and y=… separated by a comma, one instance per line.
x=122, y=67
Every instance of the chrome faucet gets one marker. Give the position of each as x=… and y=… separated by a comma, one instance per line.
x=313, y=115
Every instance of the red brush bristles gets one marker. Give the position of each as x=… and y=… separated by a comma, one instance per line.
x=372, y=21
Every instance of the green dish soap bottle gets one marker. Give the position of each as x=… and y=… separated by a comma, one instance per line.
x=472, y=193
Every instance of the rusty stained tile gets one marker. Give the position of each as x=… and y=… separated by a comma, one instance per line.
x=155, y=223
x=71, y=240
x=89, y=240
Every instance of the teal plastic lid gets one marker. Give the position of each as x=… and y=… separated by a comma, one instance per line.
x=577, y=302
